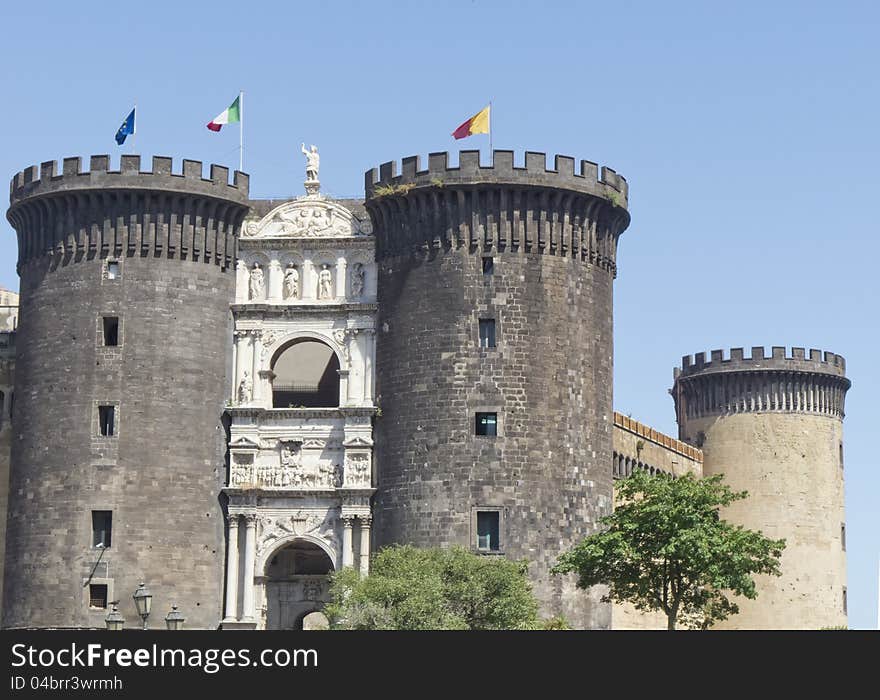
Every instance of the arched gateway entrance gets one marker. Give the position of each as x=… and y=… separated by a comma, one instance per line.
x=297, y=584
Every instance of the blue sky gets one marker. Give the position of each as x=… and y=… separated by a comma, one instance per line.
x=748, y=133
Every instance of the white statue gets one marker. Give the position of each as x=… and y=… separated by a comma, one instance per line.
x=325, y=283
x=313, y=161
x=291, y=282
x=256, y=285
x=357, y=280
x=244, y=389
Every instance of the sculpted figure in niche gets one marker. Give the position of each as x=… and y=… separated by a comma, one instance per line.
x=357, y=280
x=256, y=285
x=245, y=387
x=291, y=282
x=313, y=161
x=325, y=283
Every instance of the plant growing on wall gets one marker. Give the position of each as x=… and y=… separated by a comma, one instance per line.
x=666, y=548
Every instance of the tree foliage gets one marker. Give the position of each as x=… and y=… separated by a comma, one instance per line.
x=433, y=589
x=666, y=548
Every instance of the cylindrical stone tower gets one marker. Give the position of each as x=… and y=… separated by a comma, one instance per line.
x=774, y=427
x=494, y=358
x=118, y=447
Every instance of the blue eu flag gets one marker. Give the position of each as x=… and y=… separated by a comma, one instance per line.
x=126, y=128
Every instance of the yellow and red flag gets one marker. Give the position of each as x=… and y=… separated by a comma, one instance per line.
x=477, y=124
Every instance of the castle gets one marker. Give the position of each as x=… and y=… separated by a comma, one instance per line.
x=229, y=399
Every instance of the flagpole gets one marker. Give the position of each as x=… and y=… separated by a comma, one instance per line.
x=491, y=150
x=134, y=126
x=241, y=130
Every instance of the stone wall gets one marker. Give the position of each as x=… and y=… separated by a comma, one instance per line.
x=8, y=324
x=790, y=465
x=773, y=425
x=173, y=238
x=552, y=239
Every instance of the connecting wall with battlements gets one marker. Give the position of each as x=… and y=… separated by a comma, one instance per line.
x=297, y=383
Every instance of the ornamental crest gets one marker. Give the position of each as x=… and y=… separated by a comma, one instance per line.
x=311, y=216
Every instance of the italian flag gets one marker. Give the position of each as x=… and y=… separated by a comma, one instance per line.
x=230, y=115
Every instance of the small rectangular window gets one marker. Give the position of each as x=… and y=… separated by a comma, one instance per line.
x=487, y=424
x=488, y=530
x=102, y=528
x=487, y=332
x=106, y=420
x=843, y=536
x=98, y=595
x=844, y=600
x=112, y=269
x=111, y=331
x=488, y=266
x=841, y=455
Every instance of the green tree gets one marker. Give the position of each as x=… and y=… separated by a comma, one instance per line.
x=666, y=548
x=433, y=589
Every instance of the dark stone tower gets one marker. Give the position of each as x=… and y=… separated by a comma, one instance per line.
x=156, y=251
x=533, y=250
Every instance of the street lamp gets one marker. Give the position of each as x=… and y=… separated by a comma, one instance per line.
x=174, y=620
x=143, y=599
x=114, y=619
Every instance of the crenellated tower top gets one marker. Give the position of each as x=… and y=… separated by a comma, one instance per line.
x=498, y=207
x=46, y=179
x=786, y=381
x=81, y=213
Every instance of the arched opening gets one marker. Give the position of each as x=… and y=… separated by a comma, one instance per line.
x=306, y=376
x=297, y=586
x=315, y=620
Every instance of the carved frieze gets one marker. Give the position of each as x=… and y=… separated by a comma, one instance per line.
x=302, y=522
x=309, y=217
x=357, y=470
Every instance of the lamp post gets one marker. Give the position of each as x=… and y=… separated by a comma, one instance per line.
x=114, y=619
x=143, y=599
x=174, y=620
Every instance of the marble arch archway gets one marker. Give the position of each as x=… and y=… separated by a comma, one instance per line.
x=296, y=581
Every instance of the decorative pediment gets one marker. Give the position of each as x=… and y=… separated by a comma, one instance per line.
x=311, y=216
x=358, y=441
x=244, y=443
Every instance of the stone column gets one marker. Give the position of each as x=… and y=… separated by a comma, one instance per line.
x=234, y=366
x=243, y=361
x=341, y=277
x=241, y=282
x=250, y=550
x=369, y=353
x=365, y=545
x=347, y=549
x=356, y=365
x=258, y=354
x=308, y=283
x=232, y=569
x=276, y=276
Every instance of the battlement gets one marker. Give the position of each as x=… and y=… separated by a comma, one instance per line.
x=787, y=381
x=589, y=178
x=48, y=179
x=780, y=358
x=75, y=213
x=498, y=208
x=645, y=431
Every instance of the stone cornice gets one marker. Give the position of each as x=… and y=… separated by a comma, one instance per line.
x=365, y=242
x=249, y=310
x=331, y=412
